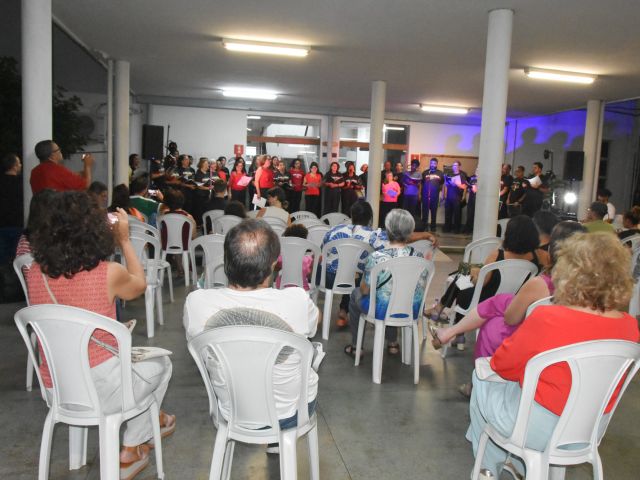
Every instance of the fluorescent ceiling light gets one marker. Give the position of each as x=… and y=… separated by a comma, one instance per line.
x=560, y=76
x=393, y=128
x=248, y=129
x=253, y=117
x=266, y=48
x=349, y=139
x=444, y=109
x=250, y=93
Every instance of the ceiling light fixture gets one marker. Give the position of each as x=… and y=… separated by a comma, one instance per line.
x=249, y=93
x=349, y=140
x=253, y=117
x=444, y=109
x=393, y=128
x=560, y=76
x=266, y=48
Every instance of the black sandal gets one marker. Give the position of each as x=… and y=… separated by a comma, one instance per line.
x=350, y=350
x=393, y=348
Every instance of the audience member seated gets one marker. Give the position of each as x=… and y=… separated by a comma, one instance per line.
x=544, y=221
x=98, y=191
x=399, y=225
x=39, y=209
x=70, y=247
x=630, y=222
x=499, y=316
x=120, y=199
x=520, y=243
x=139, y=189
x=235, y=208
x=251, y=249
x=300, y=231
x=277, y=204
x=173, y=203
x=594, y=221
x=592, y=291
x=217, y=201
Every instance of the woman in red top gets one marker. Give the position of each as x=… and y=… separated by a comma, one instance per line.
x=297, y=183
x=238, y=192
x=70, y=247
x=312, y=184
x=264, y=175
x=591, y=292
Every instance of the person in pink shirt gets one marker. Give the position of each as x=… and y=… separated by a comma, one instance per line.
x=390, y=193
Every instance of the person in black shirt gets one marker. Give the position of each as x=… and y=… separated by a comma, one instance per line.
x=505, y=187
x=454, y=188
x=472, y=189
x=410, y=182
x=351, y=190
x=222, y=166
x=11, y=206
x=333, y=182
x=217, y=200
x=282, y=179
x=202, y=192
x=518, y=193
x=365, y=175
x=157, y=173
x=397, y=177
x=184, y=175
x=432, y=181
x=535, y=193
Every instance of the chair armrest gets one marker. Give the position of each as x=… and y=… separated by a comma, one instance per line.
x=485, y=372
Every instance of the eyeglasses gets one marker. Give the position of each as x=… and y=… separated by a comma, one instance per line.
x=56, y=150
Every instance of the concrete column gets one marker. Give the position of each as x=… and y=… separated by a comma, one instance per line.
x=110, y=128
x=37, y=85
x=378, y=98
x=494, y=112
x=591, y=147
x=121, y=126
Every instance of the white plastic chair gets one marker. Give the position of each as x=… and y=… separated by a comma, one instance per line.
x=316, y=233
x=135, y=221
x=225, y=223
x=310, y=222
x=64, y=334
x=513, y=273
x=635, y=254
x=425, y=247
x=633, y=240
x=178, y=239
x=405, y=274
x=153, y=292
x=274, y=222
x=634, y=303
x=212, y=261
x=252, y=213
x=293, y=250
x=335, y=218
x=303, y=215
x=19, y=264
x=163, y=265
x=502, y=224
x=349, y=253
x=597, y=368
x=248, y=355
x=543, y=301
x=211, y=215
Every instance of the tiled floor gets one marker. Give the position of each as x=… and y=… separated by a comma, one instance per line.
x=395, y=430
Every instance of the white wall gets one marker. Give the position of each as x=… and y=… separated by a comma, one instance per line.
x=443, y=139
x=201, y=132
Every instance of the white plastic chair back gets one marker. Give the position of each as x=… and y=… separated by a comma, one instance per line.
x=225, y=223
x=310, y=222
x=19, y=264
x=349, y=253
x=144, y=228
x=252, y=213
x=502, y=225
x=179, y=231
x=635, y=257
x=477, y=251
x=543, y=301
x=211, y=215
x=597, y=368
x=425, y=247
x=633, y=240
x=316, y=234
x=247, y=355
x=335, y=218
x=213, y=260
x=296, y=217
x=634, y=303
x=135, y=221
x=513, y=273
x=293, y=250
x=274, y=222
x=141, y=243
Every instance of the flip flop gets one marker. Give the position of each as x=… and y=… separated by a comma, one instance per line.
x=350, y=350
x=436, y=342
x=165, y=430
x=129, y=470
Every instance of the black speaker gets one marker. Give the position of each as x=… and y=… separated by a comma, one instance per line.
x=152, y=142
x=573, y=165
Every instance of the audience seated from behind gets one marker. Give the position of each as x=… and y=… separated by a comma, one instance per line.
x=276, y=206
x=217, y=200
x=139, y=189
x=399, y=226
x=39, y=209
x=100, y=194
x=173, y=203
x=520, y=242
x=544, y=221
x=71, y=245
x=120, y=199
x=586, y=307
x=630, y=222
x=251, y=249
x=236, y=208
x=359, y=229
x=595, y=219
x=300, y=231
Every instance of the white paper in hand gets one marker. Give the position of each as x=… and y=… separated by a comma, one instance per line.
x=464, y=281
x=259, y=202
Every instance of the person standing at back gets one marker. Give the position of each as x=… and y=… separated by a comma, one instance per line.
x=11, y=206
x=432, y=181
x=411, y=188
x=455, y=186
x=506, y=180
x=52, y=174
x=333, y=182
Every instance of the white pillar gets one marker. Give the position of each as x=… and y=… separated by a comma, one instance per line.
x=494, y=112
x=110, y=128
x=378, y=98
x=591, y=147
x=121, y=126
x=37, y=85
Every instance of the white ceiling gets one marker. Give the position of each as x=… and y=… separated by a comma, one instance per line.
x=429, y=51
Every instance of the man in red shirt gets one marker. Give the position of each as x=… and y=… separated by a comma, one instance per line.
x=52, y=174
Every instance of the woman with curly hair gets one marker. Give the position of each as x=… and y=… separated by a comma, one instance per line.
x=592, y=291
x=71, y=247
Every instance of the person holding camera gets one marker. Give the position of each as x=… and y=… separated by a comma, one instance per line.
x=53, y=175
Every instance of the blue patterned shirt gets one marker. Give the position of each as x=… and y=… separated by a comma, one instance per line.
x=376, y=238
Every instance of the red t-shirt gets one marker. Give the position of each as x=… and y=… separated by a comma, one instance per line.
x=555, y=326
x=56, y=177
x=297, y=179
x=266, y=178
x=311, y=178
x=235, y=178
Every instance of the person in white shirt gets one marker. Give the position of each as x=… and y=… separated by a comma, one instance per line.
x=251, y=250
x=603, y=197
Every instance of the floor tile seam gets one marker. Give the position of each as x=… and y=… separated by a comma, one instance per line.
x=346, y=467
